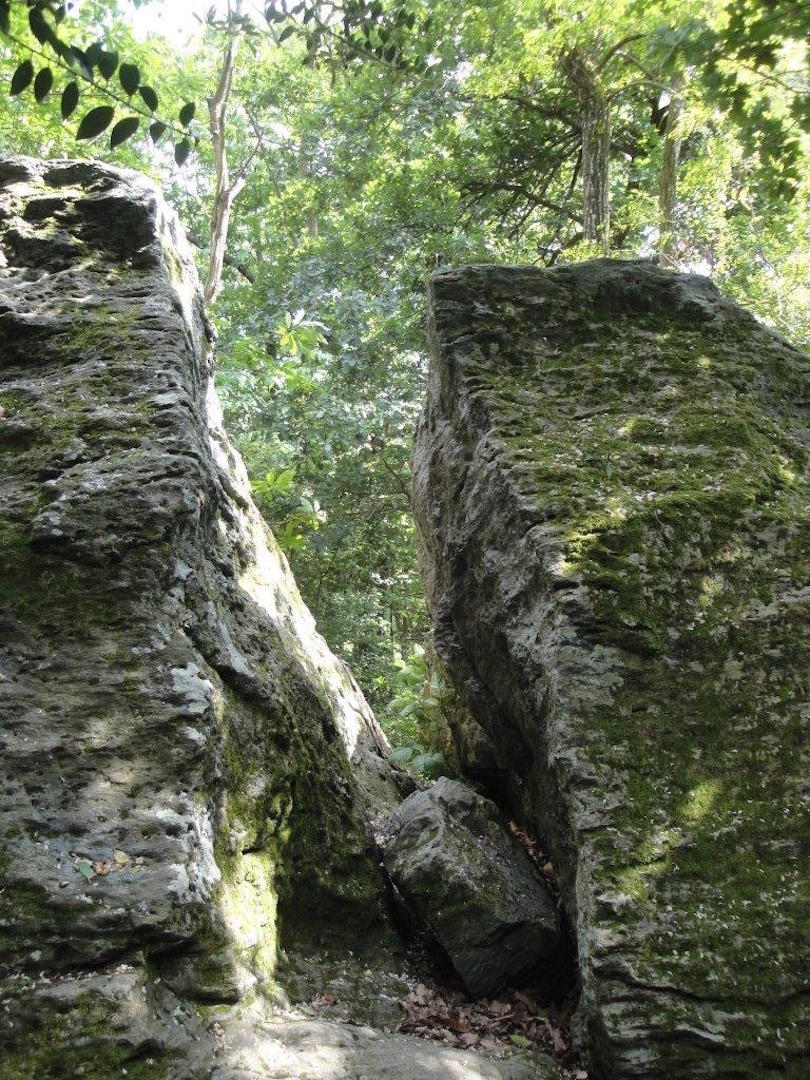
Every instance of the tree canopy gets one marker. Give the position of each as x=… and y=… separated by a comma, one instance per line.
x=327, y=157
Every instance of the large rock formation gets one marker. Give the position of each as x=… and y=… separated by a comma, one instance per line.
x=188, y=777
x=611, y=484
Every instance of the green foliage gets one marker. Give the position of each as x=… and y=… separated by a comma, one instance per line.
x=358, y=31
x=386, y=139
x=46, y=35
x=417, y=719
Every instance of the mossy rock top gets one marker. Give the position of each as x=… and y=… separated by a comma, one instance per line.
x=611, y=484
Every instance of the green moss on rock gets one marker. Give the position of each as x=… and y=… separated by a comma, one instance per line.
x=613, y=495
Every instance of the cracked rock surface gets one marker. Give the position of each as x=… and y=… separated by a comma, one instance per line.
x=189, y=779
x=613, y=500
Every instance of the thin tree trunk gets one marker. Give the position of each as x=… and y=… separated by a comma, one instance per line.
x=304, y=174
x=594, y=111
x=224, y=191
x=668, y=184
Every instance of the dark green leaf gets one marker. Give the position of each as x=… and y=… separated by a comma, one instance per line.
x=93, y=53
x=130, y=77
x=70, y=99
x=286, y=32
x=96, y=121
x=181, y=151
x=187, y=113
x=149, y=96
x=124, y=130
x=43, y=84
x=63, y=49
x=107, y=63
x=78, y=56
x=22, y=77
x=4, y=21
x=157, y=131
x=39, y=28
x=59, y=14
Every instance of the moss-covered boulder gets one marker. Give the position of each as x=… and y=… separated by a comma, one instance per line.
x=613, y=497
x=474, y=886
x=188, y=777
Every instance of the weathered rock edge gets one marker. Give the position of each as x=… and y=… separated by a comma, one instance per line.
x=611, y=487
x=187, y=774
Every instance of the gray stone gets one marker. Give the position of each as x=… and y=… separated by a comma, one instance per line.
x=612, y=487
x=317, y=1050
x=474, y=886
x=188, y=776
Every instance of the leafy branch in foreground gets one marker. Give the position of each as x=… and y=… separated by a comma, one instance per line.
x=92, y=69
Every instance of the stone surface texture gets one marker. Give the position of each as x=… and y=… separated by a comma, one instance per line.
x=188, y=776
x=612, y=492
x=472, y=883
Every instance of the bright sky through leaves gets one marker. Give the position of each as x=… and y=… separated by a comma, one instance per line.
x=177, y=20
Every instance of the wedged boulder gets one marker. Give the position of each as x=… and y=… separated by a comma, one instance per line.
x=474, y=886
x=612, y=491
x=187, y=775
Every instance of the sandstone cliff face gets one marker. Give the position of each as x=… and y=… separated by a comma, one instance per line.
x=187, y=772
x=611, y=485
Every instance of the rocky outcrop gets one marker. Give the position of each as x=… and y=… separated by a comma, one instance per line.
x=189, y=779
x=612, y=492
x=183, y=759
x=474, y=886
